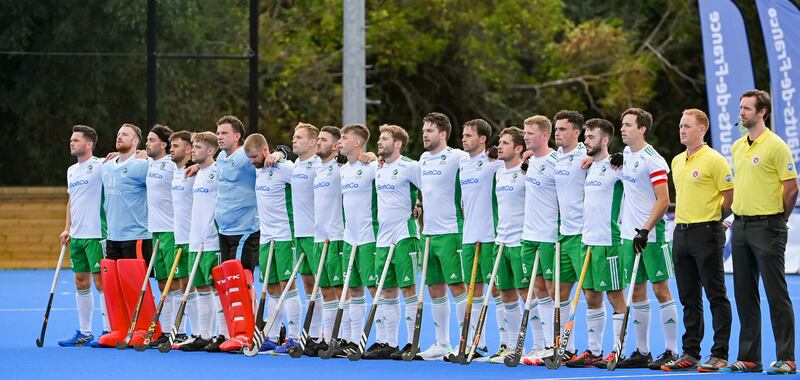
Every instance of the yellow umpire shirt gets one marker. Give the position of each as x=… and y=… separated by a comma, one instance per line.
x=699, y=181
x=761, y=168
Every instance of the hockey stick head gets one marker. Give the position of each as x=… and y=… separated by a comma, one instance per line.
x=512, y=360
x=122, y=345
x=295, y=352
x=39, y=343
x=139, y=347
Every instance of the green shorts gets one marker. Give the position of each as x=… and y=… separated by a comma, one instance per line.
x=510, y=272
x=655, y=264
x=402, y=270
x=572, y=253
x=485, y=262
x=547, y=252
x=165, y=254
x=182, y=270
x=282, y=261
x=444, y=259
x=605, y=271
x=363, y=273
x=85, y=255
x=304, y=245
x=332, y=268
x=208, y=260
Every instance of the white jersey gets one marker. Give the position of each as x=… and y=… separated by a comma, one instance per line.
x=360, y=202
x=602, y=202
x=303, y=196
x=182, y=205
x=396, y=184
x=569, y=188
x=476, y=176
x=541, y=201
x=328, y=218
x=85, y=189
x=441, y=193
x=159, y=194
x=274, y=199
x=204, y=230
x=640, y=172
x=510, y=191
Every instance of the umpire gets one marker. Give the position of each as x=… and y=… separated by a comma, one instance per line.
x=766, y=193
x=704, y=193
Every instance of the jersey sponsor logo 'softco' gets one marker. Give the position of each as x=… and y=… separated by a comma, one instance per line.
x=431, y=172
x=321, y=185
x=469, y=181
x=593, y=183
x=155, y=175
x=200, y=190
x=262, y=188
x=80, y=182
x=628, y=178
x=505, y=188
x=178, y=188
x=299, y=176
x=562, y=172
x=387, y=187
x=349, y=186
x=533, y=181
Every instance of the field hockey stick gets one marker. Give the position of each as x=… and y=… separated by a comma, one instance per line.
x=124, y=344
x=297, y=351
x=565, y=335
x=152, y=328
x=513, y=359
x=40, y=341
x=167, y=346
x=462, y=347
x=333, y=345
x=410, y=354
x=356, y=355
x=620, y=343
x=482, y=317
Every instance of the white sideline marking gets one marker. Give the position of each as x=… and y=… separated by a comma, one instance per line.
x=628, y=376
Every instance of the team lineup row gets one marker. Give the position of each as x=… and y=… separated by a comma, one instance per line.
x=527, y=220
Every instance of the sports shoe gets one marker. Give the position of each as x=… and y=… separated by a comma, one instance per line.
x=374, y=347
x=399, y=354
x=268, y=346
x=385, y=351
x=197, y=344
x=667, y=357
x=742, y=367
x=215, y=342
x=311, y=347
x=177, y=345
x=684, y=363
x=321, y=346
x=500, y=356
x=604, y=363
x=436, y=352
x=96, y=343
x=481, y=354
x=586, y=359
x=284, y=348
x=636, y=360
x=536, y=357
x=179, y=338
x=345, y=348
x=782, y=367
x=712, y=365
x=163, y=339
x=78, y=340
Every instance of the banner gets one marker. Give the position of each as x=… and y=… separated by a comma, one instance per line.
x=729, y=71
x=780, y=24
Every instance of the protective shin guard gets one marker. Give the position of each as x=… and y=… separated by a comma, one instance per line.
x=131, y=274
x=118, y=317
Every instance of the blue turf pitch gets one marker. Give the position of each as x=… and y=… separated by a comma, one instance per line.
x=25, y=297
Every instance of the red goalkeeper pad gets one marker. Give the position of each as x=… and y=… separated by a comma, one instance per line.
x=131, y=274
x=238, y=308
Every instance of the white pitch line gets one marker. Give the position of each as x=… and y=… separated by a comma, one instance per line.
x=626, y=376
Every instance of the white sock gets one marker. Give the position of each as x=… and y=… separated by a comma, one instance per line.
x=669, y=322
x=294, y=311
x=358, y=308
x=535, y=323
x=391, y=319
x=440, y=307
x=193, y=313
x=165, y=319
x=174, y=298
x=315, y=330
x=411, y=314
x=328, y=315
x=477, y=304
x=500, y=317
x=84, y=300
x=617, y=327
x=275, y=331
x=546, y=314
x=461, y=309
x=344, y=329
x=513, y=316
x=222, y=323
x=640, y=314
x=564, y=318
x=205, y=312
x=104, y=311
x=380, y=322
x=596, y=326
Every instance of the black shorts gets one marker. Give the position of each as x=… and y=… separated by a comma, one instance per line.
x=126, y=249
x=229, y=244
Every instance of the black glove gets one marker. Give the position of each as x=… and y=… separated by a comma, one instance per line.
x=616, y=160
x=288, y=155
x=640, y=240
